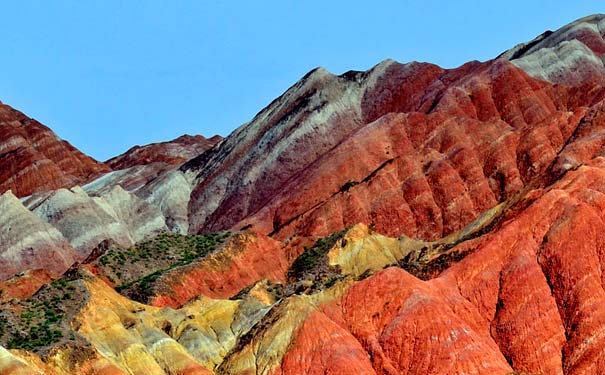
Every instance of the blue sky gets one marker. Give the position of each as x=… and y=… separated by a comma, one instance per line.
x=107, y=75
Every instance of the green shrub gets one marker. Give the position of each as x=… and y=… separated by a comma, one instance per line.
x=312, y=257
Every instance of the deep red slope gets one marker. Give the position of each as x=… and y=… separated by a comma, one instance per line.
x=33, y=158
x=174, y=152
x=467, y=139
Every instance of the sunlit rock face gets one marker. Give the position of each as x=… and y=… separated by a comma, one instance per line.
x=27, y=242
x=244, y=260
x=405, y=220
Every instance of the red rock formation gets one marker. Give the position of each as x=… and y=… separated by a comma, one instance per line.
x=243, y=260
x=527, y=298
x=172, y=153
x=33, y=158
x=331, y=152
x=323, y=347
x=489, y=130
x=408, y=327
x=21, y=287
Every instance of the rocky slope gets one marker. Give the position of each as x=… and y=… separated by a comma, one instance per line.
x=33, y=158
x=387, y=142
x=67, y=224
x=28, y=242
x=405, y=220
x=572, y=55
x=173, y=152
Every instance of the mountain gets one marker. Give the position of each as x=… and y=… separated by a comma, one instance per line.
x=400, y=143
x=573, y=55
x=57, y=220
x=174, y=152
x=33, y=158
x=408, y=219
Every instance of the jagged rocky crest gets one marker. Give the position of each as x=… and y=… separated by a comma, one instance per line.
x=405, y=220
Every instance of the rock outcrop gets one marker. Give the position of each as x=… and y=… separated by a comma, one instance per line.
x=245, y=259
x=28, y=242
x=80, y=219
x=410, y=149
x=573, y=55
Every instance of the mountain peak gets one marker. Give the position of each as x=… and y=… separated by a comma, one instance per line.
x=572, y=55
x=34, y=158
x=174, y=152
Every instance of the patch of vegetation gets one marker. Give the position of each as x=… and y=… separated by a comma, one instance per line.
x=330, y=281
x=3, y=325
x=313, y=256
x=276, y=289
x=43, y=319
x=135, y=270
x=432, y=268
x=310, y=271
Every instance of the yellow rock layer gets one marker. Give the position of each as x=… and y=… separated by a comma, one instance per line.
x=266, y=348
x=127, y=337
x=361, y=249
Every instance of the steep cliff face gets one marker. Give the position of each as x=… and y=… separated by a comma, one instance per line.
x=33, y=158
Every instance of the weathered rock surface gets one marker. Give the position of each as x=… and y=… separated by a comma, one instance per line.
x=245, y=259
x=25, y=284
x=85, y=218
x=408, y=148
x=130, y=338
x=28, y=242
x=171, y=193
x=141, y=219
x=572, y=55
x=33, y=158
x=80, y=219
x=260, y=159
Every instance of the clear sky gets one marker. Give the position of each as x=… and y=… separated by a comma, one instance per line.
x=107, y=75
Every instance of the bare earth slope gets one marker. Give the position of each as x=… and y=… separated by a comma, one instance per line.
x=33, y=158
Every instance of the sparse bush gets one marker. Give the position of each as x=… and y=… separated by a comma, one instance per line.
x=312, y=256
x=157, y=256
